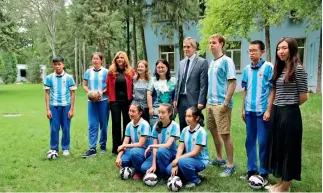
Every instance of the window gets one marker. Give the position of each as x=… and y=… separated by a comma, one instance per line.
x=233, y=50
x=167, y=52
x=301, y=42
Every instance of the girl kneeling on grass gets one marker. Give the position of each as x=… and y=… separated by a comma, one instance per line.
x=138, y=130
x=194, y=141
x=165, y=133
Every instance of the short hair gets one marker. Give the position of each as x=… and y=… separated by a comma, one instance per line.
x=193, y=42
x=168, y=75
x=219, y=37
x=57, y=59
x=258, y=42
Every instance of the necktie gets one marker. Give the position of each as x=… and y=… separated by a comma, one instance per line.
x=186, y=69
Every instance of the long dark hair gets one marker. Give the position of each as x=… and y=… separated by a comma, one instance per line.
x=139, y=108
x=168, y=69
x=197, y=113
x=293, y=58
x=170, y=109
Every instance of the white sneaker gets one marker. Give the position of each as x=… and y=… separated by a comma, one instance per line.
x=66, y=153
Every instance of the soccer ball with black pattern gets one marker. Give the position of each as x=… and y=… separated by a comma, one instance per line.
x=52, y=155
x=256, y=182
x=126, y=173
x=150, y=179
x=174, y=183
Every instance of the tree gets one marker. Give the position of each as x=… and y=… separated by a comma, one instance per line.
x=33, y=71
x=168, y=16
x=9, y=72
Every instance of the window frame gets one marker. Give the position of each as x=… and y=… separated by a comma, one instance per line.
x=232, y=50
x=303, y=47
x=167, y=53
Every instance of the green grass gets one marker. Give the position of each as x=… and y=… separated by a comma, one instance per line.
x=25, y=141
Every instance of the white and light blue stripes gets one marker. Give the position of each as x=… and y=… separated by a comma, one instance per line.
x=196, y=137
x=135, y=133
x=257, y=81
x=220, y=72
x=97, y=80
x=59, y=86
x=173, y=130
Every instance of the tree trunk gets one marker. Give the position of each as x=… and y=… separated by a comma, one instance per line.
x=101, y=45
x=180, y=41
x=267, y=40
x=80, y=63
x=75, y=63
x=134, y=36
x=109, y=57
x=319, y=67
x=84, y=61
x=128, y=31
x=142, y=33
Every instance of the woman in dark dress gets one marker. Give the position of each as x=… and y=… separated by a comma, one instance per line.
x=285, y=135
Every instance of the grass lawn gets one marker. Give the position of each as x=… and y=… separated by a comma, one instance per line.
x=25, y=141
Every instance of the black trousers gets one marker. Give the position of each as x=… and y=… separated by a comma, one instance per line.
x=182, y=105
x=118, y=108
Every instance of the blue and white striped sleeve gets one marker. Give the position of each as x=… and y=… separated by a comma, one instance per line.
x=145, y=130
x=270, y=74
x=154, y=133
x=201, y=138
x=71, y=83
x=182, y=138
x=244, y=81
x=127, y=133
x=48, y=82
x=230, y=69
x=86, y=75
x=176, y=131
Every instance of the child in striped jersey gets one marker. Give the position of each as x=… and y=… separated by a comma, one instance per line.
x=131, y=152
x=196, y=157
x=98, y=111
x=59, y=97
x=165, y=133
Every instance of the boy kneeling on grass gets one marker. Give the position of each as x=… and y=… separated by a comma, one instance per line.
x=60, y=97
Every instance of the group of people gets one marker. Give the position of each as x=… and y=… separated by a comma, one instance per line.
x=148, y=106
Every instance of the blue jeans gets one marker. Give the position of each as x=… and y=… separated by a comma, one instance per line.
x=256, y=127
x=98, y=113
x=164, y=157
x=60, y=119
x=126, y=158
x=188, y=169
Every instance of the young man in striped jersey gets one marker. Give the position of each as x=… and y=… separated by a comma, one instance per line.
x=222, y=83
x=256, y=81
x=59, y=96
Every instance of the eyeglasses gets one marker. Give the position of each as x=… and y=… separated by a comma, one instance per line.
x=252, y=51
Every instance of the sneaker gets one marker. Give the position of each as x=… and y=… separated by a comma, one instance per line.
x=103, y=149
x=89, y=153
x=228, y=171
x=265, y=177
x=216, y=162
x=66, y=153
x=137, y=176
x=247, y=175
x=192, y=184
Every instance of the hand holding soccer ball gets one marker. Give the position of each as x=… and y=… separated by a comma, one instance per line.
x=93, y=96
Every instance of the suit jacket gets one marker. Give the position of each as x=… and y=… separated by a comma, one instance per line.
x=197, y=81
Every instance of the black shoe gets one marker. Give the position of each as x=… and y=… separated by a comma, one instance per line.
x=89, y=153
x=103, y=149
x=247, y=175
x=115, y=152
x=265, y=177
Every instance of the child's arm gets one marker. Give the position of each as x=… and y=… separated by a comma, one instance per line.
x=242, y=106
x=48, y=112
x=197, y=149
x=141, y=143
x=152, y=169
x=165, y=145
x=85, y=86
x=71, y=111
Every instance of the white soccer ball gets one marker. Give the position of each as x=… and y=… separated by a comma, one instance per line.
x=52, y=154
x=174, y=183
x=150, y=179
x=256, y=182
x=126, y=173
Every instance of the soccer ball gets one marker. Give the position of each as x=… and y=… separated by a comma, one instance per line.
x=256, y=182
x=126, y=173
x=52, y=154
x=174, y=183
x=93, y=95
x=150, y=179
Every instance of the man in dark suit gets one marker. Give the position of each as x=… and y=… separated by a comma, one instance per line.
x=192, y=81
